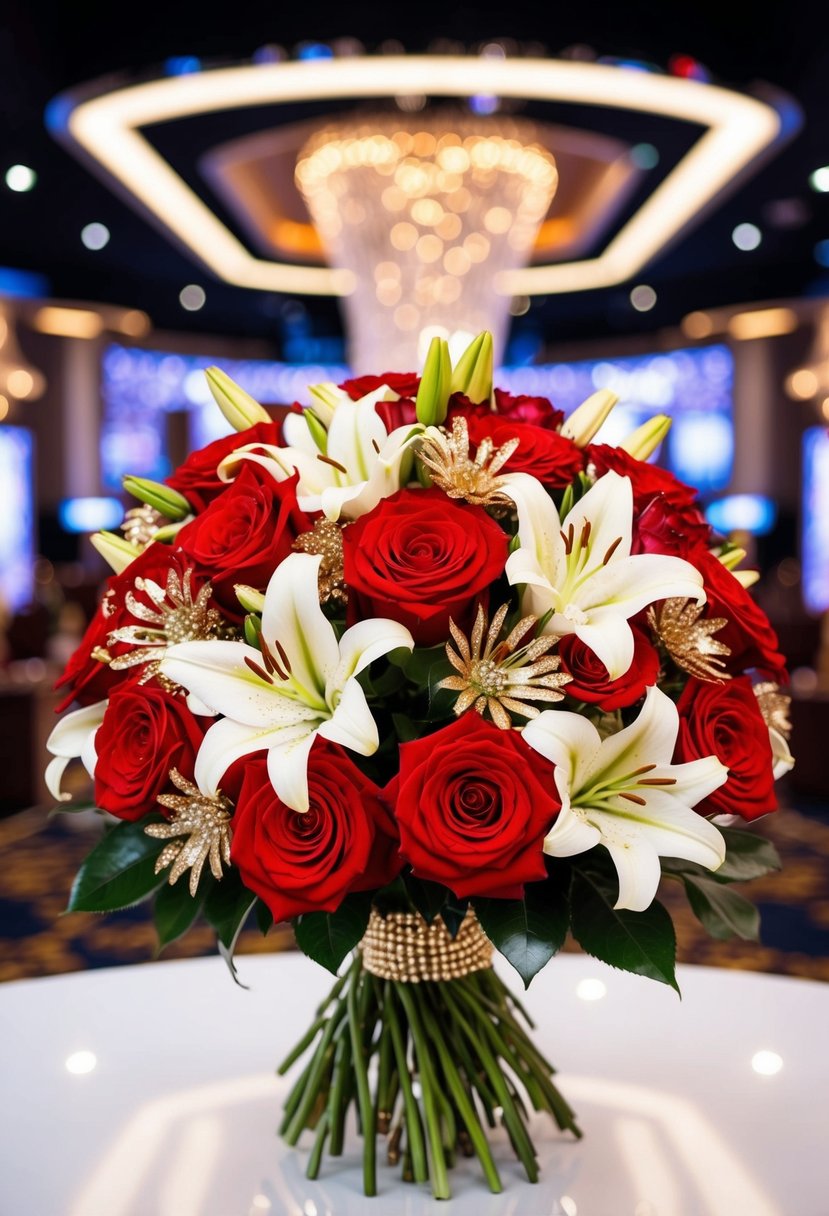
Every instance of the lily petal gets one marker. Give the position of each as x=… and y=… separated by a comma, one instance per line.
x=632, y=583
x=539, y=529
x=355, y=430
x=225, y=743
x=570, y=835
x=608, y=635
x=366, y=641
x=292, y=618
x=73, y=738
x=217, y=674
x=288, y=768
x=608, y=504
x=351, y=724
x=569, y=741
x=639, y=873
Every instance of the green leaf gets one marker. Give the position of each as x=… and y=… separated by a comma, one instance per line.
x=722, y=912
x=120, y=870
x=175, y=909
x=264, y=916
x=226, y=909
x=405, y=728
x=327, y=937
x=528, y=931
x=747, y=856
x=641, y=942
x=452, y=914
x=428, y=898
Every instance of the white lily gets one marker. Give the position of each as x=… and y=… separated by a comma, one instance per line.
x=581, y=569
x=73, y=738
x=362, y=462
x=624, y=792
x=302, y=684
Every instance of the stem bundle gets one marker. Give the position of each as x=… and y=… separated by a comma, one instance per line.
x=425, y=1065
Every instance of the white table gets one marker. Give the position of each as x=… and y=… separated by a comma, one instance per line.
x=178, y=1115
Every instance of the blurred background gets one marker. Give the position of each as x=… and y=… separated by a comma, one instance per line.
x=628, y=205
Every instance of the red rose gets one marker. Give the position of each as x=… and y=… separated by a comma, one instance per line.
x=473, y=804
x=534, y=411
x=537, y=411
x=648, y=480
x=197, y=478
x=663, y=527
x=552, y=458
x=308, y=862
x=145, y=733
x=590, y=678
x=244, y=534
x=724, y=720
x=419, y=558
x=752, y=640
x=87, y=679
x=393, y=413
x=404, y=383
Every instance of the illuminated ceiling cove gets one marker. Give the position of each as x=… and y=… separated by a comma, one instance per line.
x=109, y=130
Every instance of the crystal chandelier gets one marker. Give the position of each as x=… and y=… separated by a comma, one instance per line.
x=425, y=214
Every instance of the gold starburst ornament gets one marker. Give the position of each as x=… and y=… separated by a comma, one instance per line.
x=326, y=539
x=500, y=676
x=774, y=706
x=446, y=456
x=175, y=616
x=204, y=821
x=141, y=524
x=689, y=640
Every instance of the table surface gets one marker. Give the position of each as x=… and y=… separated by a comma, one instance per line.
x=178, y=1115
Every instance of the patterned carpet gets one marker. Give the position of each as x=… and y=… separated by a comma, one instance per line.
x=41, y=854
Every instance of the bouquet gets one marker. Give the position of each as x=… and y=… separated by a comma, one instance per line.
x=428, y=672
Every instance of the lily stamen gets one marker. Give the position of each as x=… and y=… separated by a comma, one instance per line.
x=634, y=798
x=657, y=781
x=611, y=550
x=335, y=464
x=260, y=671
x=286, y=662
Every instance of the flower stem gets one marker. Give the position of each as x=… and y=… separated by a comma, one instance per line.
x=363, y=1095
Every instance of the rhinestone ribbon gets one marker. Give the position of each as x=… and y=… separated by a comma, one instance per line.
x=405, y=948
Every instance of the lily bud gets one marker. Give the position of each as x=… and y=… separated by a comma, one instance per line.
x=435, y=384
x=169, y=531
x=238, y=407
x=250, y=599
x=644, y=441
x=161, y=498
x=318, y=432
x=731, y=557
x=326, y=397
x=473, y=372
x=115, y=550
x=586, y=419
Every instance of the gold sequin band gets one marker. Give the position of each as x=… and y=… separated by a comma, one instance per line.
x=404, y=947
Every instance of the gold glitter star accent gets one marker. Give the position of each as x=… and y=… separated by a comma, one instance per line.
x=500, y=676
x=774, y=706
x=688, y=640
x=175, y=616
x=204, y=821
x=141, y=524
x=326, y=538
x=454, y=471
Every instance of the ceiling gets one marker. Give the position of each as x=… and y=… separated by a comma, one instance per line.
x=48, y=47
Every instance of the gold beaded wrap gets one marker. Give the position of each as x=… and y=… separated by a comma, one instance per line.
x=405, y=948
